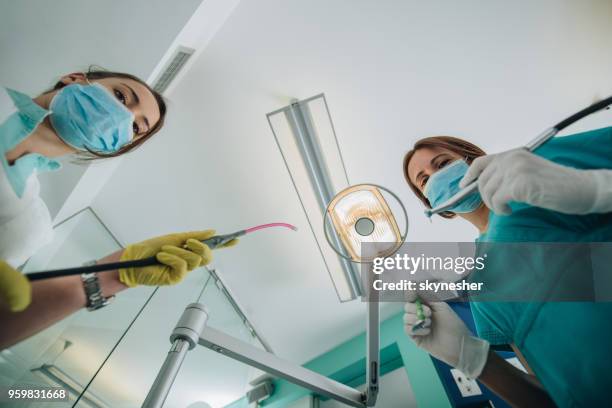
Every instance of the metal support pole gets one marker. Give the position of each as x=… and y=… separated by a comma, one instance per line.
x=184, y=337
x=165, y=378
x=372, y=347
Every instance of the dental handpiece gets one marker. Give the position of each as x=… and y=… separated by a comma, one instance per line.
x=213, y=242
x=538, y=141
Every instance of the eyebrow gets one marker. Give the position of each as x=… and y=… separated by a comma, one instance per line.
x=137, y=99
x=134, y=95
x=432, y=161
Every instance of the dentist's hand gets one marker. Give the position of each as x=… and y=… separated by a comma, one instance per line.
x=177, y=253
x=446, y=337
x=15, y=288
x=521, y=176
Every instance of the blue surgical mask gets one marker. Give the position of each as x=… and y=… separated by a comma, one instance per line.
x=89, y=117
x=444, y=184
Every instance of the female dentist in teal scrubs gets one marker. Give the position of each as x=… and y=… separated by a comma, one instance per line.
x=566, y=345
x=99, y=114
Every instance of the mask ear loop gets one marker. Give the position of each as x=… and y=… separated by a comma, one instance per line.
x=86, y=79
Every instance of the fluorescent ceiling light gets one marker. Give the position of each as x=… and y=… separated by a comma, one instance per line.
x=56, y=377
x=306, y=138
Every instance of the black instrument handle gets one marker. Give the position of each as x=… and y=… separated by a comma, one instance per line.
x=212, y=243
x=92, y=268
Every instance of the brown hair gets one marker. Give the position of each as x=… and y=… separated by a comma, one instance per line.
x=459, y=146
x=95, y=72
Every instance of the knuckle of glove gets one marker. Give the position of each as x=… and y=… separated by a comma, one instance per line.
x=177, y=270
x=427, y=310
x=207, y=255
x=410, y=318
x=410, y=307
x=192, y=258
x=175, y=263
x=196, y=246
x=203, y=251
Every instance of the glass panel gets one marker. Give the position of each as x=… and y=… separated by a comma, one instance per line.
x=72, y=350
x=205, y=376
x=115, y=353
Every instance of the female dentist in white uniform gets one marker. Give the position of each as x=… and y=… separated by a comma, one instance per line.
x=99, y=114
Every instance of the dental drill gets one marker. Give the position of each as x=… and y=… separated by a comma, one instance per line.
x=542, y=138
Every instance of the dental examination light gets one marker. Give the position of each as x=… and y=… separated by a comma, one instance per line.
x=360, y=215
x=212, y=243
x=354, y=216
x=542, y=138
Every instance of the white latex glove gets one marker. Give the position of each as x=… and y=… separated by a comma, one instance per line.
x=521, y=176
x=446, y=337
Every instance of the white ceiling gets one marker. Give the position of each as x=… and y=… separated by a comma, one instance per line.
x=494, y=72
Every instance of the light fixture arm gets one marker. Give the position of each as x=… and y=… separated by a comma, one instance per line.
x=191, y=329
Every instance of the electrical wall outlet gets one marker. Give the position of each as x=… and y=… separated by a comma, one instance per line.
x=467, y=386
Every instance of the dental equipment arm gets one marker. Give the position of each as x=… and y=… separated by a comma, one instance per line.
x=521, y=176
x=531, y=146
x=191, y=330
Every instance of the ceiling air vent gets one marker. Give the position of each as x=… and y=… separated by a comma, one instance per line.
x=172, y=68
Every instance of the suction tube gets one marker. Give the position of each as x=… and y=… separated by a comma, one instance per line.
x=271, y=225
x=214, y=242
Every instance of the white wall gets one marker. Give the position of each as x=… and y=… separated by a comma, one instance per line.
x=41, y=40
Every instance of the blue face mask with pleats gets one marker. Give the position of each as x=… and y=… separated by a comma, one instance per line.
x=444, y=184
x=89, y=117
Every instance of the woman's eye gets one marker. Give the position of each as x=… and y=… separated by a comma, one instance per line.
x=136, y=128
x=424, y=181
x=443, y=163
x=120, y=96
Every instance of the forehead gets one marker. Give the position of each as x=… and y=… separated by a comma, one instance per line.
x=421, y=160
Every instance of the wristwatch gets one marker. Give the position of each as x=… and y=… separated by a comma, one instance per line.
x=93, y=292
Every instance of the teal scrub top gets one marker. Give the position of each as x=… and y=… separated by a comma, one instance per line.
x=25, y=115
x=568, y=345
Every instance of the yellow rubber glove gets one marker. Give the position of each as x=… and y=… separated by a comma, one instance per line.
x=177, y=253
x=15, y=288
